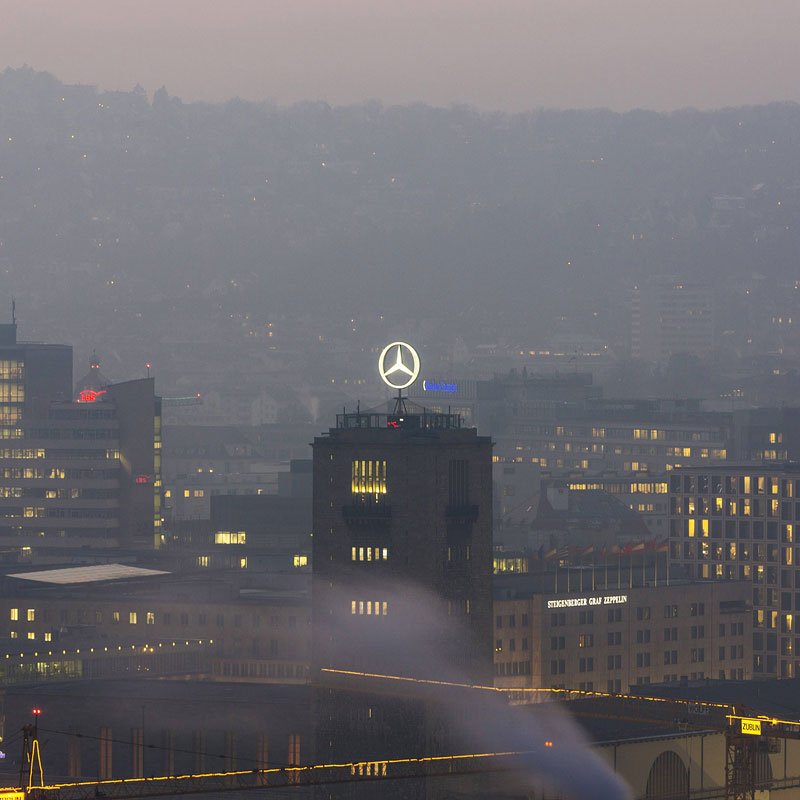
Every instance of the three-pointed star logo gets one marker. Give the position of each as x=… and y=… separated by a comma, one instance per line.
x=398, y=374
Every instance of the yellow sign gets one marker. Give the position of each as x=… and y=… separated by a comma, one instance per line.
x=751, y=726
x=12, y=794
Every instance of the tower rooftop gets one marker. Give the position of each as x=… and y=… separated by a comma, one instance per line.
x=410, y=420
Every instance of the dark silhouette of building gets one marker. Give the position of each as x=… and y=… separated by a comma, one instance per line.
x=260, y=532
x=402, y=554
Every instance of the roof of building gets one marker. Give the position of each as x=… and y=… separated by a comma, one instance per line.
x=93, y=382
x=593, y=509
x=776, y=697
x=93, y=574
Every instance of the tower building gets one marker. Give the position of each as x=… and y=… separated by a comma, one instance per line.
x=402, y=559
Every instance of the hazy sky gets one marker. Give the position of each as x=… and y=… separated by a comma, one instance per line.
x=493, y=54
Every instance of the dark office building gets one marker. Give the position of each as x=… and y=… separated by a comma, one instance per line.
x=32, y=375
x=260, y=532
x=402, y=554
x=74, y=474
x=738, y=523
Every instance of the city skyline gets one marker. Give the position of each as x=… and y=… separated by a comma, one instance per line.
x=509, y=56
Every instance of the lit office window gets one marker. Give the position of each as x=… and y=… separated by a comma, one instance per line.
x=368, y=477
x=369, y=608
x=230, y=537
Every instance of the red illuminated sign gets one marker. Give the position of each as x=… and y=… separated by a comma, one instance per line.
x=89, y=395
x=142, y=479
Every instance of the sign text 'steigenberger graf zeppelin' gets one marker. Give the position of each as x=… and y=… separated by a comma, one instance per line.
x=597, y=600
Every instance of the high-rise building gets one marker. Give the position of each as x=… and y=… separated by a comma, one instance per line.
x=409, y=505
x=402, y=555
x=86, y=475
x=671, y=316
x=74, y=474
x=738, y=523
x=32, y=375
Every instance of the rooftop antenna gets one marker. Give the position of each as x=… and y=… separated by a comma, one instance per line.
x=13, y=310
x=400, y=403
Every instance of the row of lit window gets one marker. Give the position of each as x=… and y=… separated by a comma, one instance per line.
x=29, y=614
x=370, y=769
x=230, y=537
x=21, y=452
x=205, y=561
x=645, y=434
x=11, y=369
x=34, y=512
x=368, y=477
x=10, y=414
x=31, y=635
x=657, y=487
x=510, y=564
x=376, y=608
x=116, y=617
x=744, y=507
x=734, y=484
x=133, y=617
x=369, y=554
x=12, y=392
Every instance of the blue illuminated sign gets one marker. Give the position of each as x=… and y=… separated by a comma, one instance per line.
x=438, y=386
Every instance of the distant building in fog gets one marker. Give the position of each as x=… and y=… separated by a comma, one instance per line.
x=562, y=422
x=671, y=316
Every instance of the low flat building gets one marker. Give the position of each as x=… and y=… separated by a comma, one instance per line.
x=84, y=612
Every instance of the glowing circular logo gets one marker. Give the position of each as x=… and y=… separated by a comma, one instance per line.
x=398, y=365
